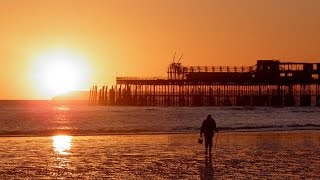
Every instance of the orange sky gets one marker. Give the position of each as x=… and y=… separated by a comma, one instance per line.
x=139, y=37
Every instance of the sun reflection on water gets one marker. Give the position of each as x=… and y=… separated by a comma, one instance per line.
x=62, y=144
x=62, y=108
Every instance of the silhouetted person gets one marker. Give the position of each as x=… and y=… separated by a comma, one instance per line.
x=208, y=127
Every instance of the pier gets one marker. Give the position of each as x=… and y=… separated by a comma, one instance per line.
x=267, y=83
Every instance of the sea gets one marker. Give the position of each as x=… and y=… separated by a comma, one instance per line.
x=56, y=140
x=41, y=118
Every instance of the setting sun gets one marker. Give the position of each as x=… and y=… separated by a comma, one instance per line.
x=59, y=73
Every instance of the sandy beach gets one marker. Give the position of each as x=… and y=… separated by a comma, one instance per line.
x=241, y=155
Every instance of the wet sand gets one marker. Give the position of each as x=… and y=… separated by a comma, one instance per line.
x=254, y=155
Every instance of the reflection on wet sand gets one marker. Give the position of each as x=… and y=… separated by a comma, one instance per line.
x=207, y=172
x=62, y=144
x=263, y=155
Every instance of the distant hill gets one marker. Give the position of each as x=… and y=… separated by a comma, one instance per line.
x=73, y=96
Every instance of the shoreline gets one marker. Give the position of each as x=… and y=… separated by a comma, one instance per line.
x=295, y=131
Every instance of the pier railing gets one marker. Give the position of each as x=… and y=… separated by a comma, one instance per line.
x=140, y=78
x=220, y=69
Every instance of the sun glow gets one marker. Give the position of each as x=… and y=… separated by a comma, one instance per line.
x=59, y=73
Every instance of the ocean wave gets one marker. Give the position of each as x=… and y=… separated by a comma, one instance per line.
x=304, y=111
x=44, y=118
x=74, y=132
x=50, y=132
x=241, y=108
x=273, y=127
x=259, y=128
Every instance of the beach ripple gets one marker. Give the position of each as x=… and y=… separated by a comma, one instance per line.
x=277, y=155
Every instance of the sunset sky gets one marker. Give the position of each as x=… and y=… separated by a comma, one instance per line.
x=102, y=39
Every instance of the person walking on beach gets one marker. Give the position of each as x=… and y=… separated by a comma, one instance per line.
x=208, y=127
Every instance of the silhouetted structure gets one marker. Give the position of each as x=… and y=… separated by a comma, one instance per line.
x=268, y=83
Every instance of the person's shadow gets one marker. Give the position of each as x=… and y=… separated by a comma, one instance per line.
x=207, y=171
